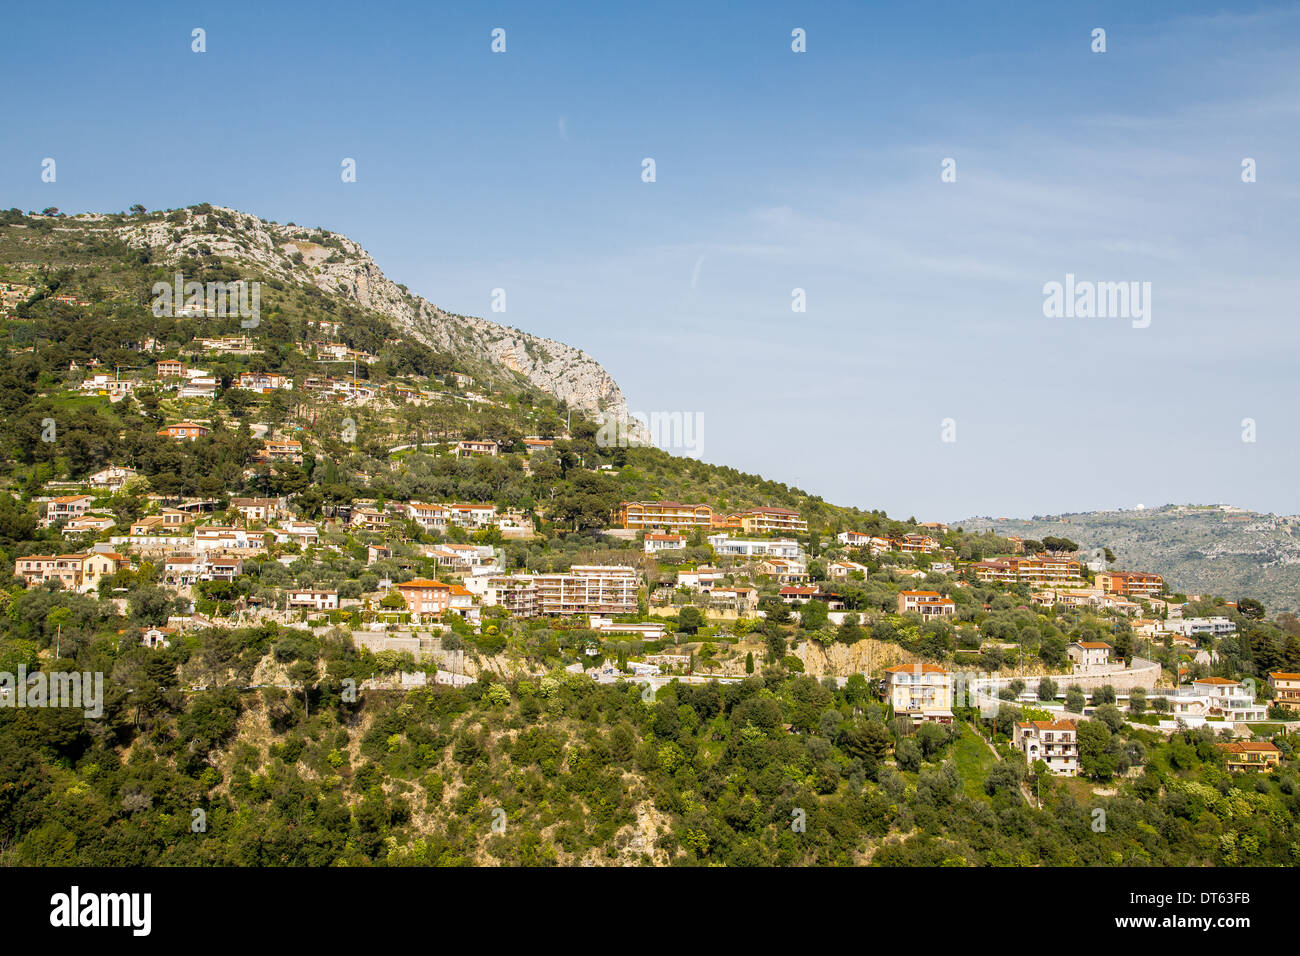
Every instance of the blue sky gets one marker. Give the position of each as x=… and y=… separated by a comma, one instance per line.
x=775, y=170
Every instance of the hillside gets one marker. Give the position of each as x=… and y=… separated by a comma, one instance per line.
x=257, y=250
x=1215, y=549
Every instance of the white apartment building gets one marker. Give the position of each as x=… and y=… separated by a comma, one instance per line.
x=750, y=548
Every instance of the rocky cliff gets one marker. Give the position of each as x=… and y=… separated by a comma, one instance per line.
x=338, y=266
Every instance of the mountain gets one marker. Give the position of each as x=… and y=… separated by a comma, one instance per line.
x=1215, y=549
x=337, y=266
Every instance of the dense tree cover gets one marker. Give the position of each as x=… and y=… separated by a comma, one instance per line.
x=777, y=769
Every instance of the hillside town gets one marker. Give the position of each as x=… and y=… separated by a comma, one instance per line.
x=317, y=534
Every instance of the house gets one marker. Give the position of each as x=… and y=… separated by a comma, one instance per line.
x=1200, y=626
x=112, y=386
x=258, y=509
x=264, y=382
x=301, y=533
x=796, y=594
x=156, y=637
x=783, y=570
x=588, y=589
x=76, y=572
x=656, y=542
x=1130, y=583
x=472, y=447
x=221, y=567
x=663, y=515
x=845, y=569
x=1229, y=699
x=920, y=691
x=182, y=569
x=700, y=579
x=368, y=519
x=433, y=598
x=462, y=557
x=312, y=599
x=1055, y=742
x=111, y=478
x=480, y=515
x=88, y=524
x=916, y=544
x=928, y=604
x=741, y=600
x=858, y=539
x=377, y=553
x=280, y=450
x=429, y=517
x=184, y=431
x=198, y=386
x=65, y=507
x=537, y=444
x=1286, y=688
x=170, y=368
x=1089, y=657
x=1246, y=755
x=606, y=627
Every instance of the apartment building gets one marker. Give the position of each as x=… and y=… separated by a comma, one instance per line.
x=515, y=592
x=1041, y=570
x=1286, y=688
x=771, y=521
x=588, y=589
x=431, y=517
x=1055, y=742
x=664, y=515
x=919, y=691
x=701, y=579
x=1130, y=583
x=928, y=604
x=170, y=368
x=1246, y=755
x=726, y=545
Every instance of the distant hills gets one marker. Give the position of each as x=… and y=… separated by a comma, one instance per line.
x=1216, y=549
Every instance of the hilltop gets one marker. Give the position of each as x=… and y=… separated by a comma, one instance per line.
x=1214, y=549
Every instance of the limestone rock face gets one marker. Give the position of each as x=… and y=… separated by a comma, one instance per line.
x=338, y=266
